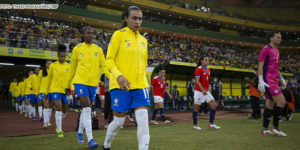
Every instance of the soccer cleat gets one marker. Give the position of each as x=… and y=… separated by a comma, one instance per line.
x=49, y=124
x=45, y=126
x=278, y=132
x=29, y=116
x=196, y=127
x=131, y=119
x=34, y=119
x=154, y=122
x=103, y=148
x=167, y=121
x=290, y=117
x=60, y=134
x=213, y=126
x=79, y=136
x=25, y=115
x=266, y=131
x=93, y=144
x=21, y=112
x=41, y=118
x=76, y=110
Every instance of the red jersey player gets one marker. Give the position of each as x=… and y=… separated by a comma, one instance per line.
x=202, y=92
x=159, y=86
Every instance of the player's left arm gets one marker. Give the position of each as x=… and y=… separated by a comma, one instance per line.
x=209, y=88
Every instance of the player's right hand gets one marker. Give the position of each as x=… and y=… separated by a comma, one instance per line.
x=67, y=91
x=204, y=92
x=123, y=83
x=262, y=84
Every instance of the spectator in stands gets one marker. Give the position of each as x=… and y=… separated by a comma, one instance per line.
x=2, y=39
x=176, y=97
x=294, y=86
x=191, y=90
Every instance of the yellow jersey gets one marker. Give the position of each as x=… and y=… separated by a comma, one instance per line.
x=27, y=88
x=85, y=62
x=57, y=77
x=42, y=82
x=34, y=83
x=127, y=55
x=17, y=90
x=12, y=88
x=21, y=88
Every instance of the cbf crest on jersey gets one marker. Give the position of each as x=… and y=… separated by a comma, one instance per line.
x=116, y=102
x=143, y=44
x=67, y=70
x=96, y=54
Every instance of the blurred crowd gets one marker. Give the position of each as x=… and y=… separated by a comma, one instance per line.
x=36, y=32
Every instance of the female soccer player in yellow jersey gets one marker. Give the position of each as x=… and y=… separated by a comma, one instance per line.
x=34, y=84
x=22, y=102
x=43, y=77
x=86, y=59
x=56, y=85
x=127, y=58
x=28, y=95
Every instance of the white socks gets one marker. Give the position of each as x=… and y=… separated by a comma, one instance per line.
x=45, y=113
x=33, y=111
x=49, y=114
x=23, y=106
x=64, y=115
x=20, y=108
x=27, y=109
x=17, y=106
x=40, y=111
x=112, y=130
x=58, y=120
x=87, y=122
x=80, y=127
x=143, y=128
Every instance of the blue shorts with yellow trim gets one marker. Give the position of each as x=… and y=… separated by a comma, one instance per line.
x=84, y=90
x=59, y=96
x=32, y=98
x=122, y=101
x=41, y=96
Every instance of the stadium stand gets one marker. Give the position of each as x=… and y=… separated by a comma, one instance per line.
x=37, y=32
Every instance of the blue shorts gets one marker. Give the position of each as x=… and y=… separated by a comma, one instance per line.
x=122, y=101
x=41, y=96
x=32, y=98
x=59, y=96
x=84, y=90
x=19, y=98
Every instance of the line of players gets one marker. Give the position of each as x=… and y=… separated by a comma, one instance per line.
x=84, y=74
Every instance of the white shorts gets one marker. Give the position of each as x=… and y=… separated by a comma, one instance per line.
x=102, y=97
x=97, y=90
x=199, y=98
x=158, y=99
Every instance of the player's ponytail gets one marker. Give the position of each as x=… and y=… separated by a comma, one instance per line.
x=45, y=73
x=126, y=14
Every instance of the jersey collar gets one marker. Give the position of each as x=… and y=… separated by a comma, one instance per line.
x=205, y=69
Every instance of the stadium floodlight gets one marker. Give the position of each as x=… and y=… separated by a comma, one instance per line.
x=30, y=65
x=7, y=64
